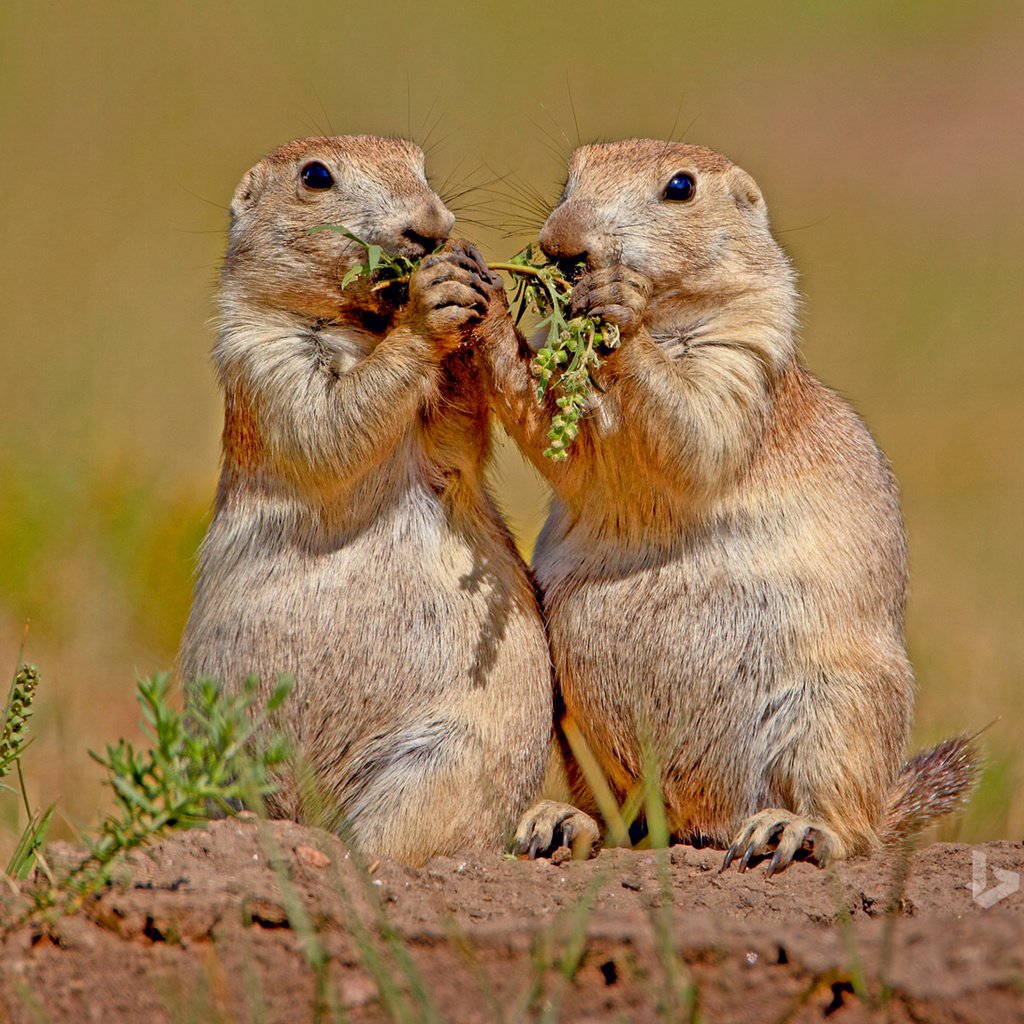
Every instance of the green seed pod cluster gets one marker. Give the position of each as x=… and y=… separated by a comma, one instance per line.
x=564, y=365
x=16, y=715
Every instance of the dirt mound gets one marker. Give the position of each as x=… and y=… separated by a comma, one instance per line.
x=231, y=923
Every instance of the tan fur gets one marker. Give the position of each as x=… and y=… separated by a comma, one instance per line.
x=353, y=545
x=723, y=568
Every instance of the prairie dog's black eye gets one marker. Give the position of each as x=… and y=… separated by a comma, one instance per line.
x=681, y=188
x=316, y=176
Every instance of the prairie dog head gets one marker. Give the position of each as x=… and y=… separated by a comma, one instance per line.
x=684, y=216
x=373, y=186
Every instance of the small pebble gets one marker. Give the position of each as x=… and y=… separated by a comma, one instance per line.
x=311, y=857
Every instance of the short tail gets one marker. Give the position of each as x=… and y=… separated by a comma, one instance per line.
x=929, y=785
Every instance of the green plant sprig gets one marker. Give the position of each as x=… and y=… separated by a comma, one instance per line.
x=209, y=758
x=17, y=711
x=387, y=269
x=14, y=739
x=564, y=365
x=566, y=362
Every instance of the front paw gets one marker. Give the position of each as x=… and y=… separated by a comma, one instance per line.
x=550, y=826
x=616, y=294
x=783, y=834
x=448, y=294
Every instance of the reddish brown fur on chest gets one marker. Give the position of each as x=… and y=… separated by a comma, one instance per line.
x=807, y=425
x=243, y=445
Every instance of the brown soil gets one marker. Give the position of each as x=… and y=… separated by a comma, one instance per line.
x=203, y=930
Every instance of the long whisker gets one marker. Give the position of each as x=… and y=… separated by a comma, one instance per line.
x=550, y=142
x=432, y=126
x=311, y=126
x=675, y=122
x=443, y=188
x=323, y=109
x=433, y=147
x=203, y=199
x=572, y=107
x=521, y=202
x=803, y=227
x=525, y=194
x=408, y=105
x=470, y=187
x=558, y=127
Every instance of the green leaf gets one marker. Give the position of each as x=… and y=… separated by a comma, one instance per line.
x=338, y=229
x=353, y=274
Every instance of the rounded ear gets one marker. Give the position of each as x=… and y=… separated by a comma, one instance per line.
x=249, y=190
x=745, y=190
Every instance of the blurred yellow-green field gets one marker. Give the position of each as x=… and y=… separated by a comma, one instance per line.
x=888, y=139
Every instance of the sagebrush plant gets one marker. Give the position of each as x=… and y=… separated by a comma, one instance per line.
x=565, y=363
x=210, y=758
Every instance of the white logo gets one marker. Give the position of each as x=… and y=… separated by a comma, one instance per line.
x=1009, y=882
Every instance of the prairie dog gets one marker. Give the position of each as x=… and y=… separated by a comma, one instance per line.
x=724, y=567
x=353, y=545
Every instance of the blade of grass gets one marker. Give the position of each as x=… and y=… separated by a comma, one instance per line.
x=844, y=922
x=575, y=946
x=679, y=997
x=461, y=944
x=310, y=943
x=617, y=831
x=423, y=1010
x=533, y=1005
x=26, y=853
x=654, y=801
x=893, y=910
x=29, y=1000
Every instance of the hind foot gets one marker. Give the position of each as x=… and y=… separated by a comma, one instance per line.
x=549, y=826
x=786, y=834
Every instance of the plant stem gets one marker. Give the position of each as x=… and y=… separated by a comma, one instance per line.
x=381, y=285
x=519, y=268
x=508, y=268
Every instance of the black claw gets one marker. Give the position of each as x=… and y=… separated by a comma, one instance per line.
x=535, y=847
x=774, y=865
x=730, y=856
x=746, y=857
x=568, y=834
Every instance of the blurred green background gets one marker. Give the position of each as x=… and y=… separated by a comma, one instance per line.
x=888, y=139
